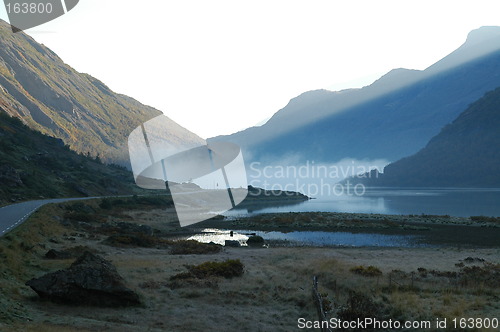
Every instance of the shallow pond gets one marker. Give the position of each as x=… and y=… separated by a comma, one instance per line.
x=312, y=238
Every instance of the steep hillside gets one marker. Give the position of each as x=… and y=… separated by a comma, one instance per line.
x=466, y=153
x=392, y=118
x=34, y=166
x=37, y=87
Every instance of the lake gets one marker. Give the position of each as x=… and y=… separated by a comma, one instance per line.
x=436, y=201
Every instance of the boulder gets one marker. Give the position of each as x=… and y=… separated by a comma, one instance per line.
x=90, y=280
x=126, y=228
x=67, y=253
x=255, y=240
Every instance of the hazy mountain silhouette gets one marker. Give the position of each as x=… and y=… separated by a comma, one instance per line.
x=37, y=87
x=464, y=154
x=392, y=118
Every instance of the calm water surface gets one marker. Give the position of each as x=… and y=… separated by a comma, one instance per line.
x=437, y=236
x=454, y=202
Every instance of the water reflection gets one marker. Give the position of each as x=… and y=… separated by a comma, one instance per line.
x=219, y=236
x=446, y=201
x=309, y=238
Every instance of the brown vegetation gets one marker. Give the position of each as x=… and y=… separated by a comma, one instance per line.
x=191, y=247
x=271, y=294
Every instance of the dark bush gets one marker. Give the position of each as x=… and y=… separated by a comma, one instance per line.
x=79, y=216
x=359, y=306
x=488, y=275
x=106, y=204
x=445, y=274
x=139, y=240
x=370, y=271
x=227, y=269
x=79, y=207
x=485, y=219
x=422, y=271
x=191, y=247
x=67, y=253
x=136, y=202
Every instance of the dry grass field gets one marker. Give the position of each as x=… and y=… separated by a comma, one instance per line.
x=271, y=295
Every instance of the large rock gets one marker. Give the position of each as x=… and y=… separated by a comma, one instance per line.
x=90, y=280
x=57, y=254
x=255, y=240
x=134, y=228
x=68, y=253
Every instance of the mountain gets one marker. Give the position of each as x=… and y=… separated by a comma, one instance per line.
x=392, y=118
x=37, y=87
x=33, y=165
x=466, y=153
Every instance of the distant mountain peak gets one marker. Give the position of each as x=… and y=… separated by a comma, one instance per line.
x=393, y=117
x=482, y=34
x=479, y=43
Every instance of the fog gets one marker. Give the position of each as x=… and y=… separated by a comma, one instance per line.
x=311, y=178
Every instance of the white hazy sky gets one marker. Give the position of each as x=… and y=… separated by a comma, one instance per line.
x=217, y=67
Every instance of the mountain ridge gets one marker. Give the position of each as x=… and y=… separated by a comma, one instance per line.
x=464, y=154
x=389, y=112
x=37, y=87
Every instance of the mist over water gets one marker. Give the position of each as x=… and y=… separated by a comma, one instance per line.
x=335, y=188
x=435, y=201
x=309, y=177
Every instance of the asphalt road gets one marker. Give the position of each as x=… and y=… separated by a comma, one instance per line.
x=14, y=215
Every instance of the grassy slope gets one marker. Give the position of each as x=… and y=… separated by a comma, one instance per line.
x=48, y=95
x=46, y=168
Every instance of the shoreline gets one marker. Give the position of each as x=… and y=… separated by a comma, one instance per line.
x=423, y=218
x=436, y=230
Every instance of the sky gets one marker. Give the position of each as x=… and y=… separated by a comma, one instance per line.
x=217, y=67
